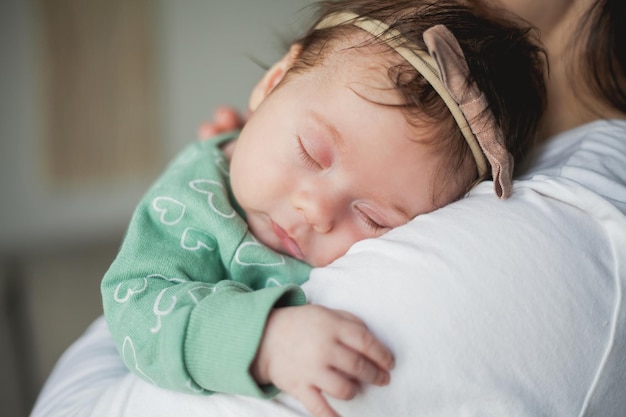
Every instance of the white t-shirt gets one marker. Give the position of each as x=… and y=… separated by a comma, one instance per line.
x=508, y=308
x=492, y=308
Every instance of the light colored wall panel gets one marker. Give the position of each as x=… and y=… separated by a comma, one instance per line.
x=202, y=60
x=100, y=92
x=64, y=232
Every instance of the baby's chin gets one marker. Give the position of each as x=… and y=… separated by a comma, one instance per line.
x=321, y=260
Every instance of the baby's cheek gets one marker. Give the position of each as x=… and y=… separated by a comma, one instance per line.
x=338, y=245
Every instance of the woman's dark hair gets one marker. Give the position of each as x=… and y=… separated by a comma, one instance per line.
x=504, y=60
x=604, y=63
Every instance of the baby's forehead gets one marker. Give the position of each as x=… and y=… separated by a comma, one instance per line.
x=364, y=66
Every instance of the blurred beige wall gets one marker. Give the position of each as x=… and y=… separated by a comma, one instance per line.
x=57, y=237
x=203, y=59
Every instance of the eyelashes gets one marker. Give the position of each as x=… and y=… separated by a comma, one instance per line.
x=372, y=225
x=305, y=156
x=369, y=222
x=311, y=163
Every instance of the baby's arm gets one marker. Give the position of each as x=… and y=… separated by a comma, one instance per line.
x=312, y=349
x=179, y=319
x=309, y=350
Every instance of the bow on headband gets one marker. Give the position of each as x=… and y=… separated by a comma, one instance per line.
x=445, y=68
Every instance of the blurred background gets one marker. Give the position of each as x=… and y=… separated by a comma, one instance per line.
x=96, y=97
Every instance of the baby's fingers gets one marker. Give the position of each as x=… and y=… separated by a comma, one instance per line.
x=227, y=118
x=313, y=400
x=361, y=340
x=224, y=119
x=359, y=368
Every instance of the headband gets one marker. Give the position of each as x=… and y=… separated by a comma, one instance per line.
x=445, y=68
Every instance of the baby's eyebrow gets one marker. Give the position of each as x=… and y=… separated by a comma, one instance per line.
x=337, y=139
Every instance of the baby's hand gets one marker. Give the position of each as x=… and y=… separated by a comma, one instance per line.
x=309, y=350
x=224, y=120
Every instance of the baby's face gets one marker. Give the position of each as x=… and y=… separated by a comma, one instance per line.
x=320, y=166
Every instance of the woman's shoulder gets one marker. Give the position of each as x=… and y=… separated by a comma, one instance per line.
x=527, y=285
x=589, y=158
x=600, y=133
x=557, y=151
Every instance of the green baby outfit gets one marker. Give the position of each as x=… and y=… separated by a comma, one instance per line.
x=189, y=293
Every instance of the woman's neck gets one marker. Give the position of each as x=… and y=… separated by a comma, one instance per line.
x=570, y=103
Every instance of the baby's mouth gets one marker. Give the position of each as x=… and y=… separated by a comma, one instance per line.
x=290, y=245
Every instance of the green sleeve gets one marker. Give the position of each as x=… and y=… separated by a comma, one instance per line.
x=184, y=315
x=220, y=351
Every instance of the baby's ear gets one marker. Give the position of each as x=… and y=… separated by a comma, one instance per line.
x=272, y=77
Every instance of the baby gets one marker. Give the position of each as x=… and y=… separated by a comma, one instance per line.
x=383, y=111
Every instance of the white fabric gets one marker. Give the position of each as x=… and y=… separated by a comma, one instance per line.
x=90, y=380
x=493, y=308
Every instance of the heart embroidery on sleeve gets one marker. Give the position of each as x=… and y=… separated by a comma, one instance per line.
x=252, y=253
x=195, y=239
x=171, y=211
x=272, y=282
x=129, y=355
x=209, y=188
x=130, y=291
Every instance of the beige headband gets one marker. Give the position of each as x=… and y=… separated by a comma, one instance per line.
x=444, y=67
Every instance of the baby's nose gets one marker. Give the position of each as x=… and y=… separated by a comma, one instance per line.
x=317, y=209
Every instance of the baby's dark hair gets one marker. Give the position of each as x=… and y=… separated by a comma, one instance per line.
x=503, y=56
